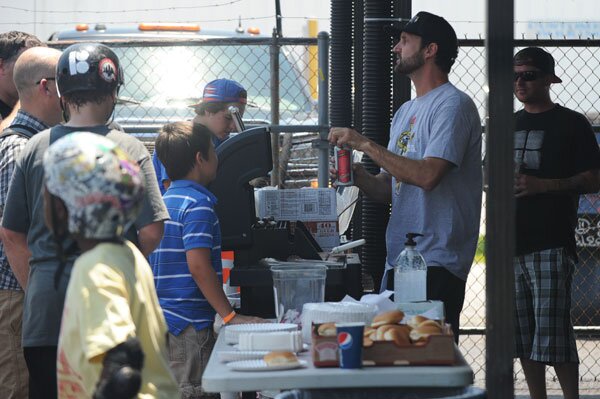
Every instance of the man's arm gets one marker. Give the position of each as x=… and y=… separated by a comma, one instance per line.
x=425, y=173
x=18, y=254
x=210, y=284
x=377, y=187
x=581, y=183
x=150, y=221
x=149, y=237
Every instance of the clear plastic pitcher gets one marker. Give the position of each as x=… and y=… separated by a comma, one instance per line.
x=294, y=285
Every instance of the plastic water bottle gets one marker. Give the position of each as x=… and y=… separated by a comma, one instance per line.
x=410, y=273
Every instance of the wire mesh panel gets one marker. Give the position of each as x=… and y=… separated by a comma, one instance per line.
x=163, y=78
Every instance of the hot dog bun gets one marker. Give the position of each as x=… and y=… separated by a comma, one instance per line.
x=391, y=317
x=416, y=320
x=327, y=330
x=278, y=358
x=400, y=336
x=424, y=330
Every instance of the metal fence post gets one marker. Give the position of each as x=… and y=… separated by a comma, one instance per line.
x=323, y=44
x=274, y=54
x=500, y=246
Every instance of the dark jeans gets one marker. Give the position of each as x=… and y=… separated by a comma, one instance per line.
x=445, y=286
x=41, y=363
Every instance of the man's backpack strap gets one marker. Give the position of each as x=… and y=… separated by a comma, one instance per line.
x=24, y=131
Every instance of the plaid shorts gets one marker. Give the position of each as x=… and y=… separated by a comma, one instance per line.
x=544, y=332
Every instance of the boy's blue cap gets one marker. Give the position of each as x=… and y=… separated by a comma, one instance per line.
x=224, y=90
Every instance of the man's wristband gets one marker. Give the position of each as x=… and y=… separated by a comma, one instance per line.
x=229, y=317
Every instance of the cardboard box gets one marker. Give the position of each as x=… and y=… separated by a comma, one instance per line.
x=324, y=350
x=325, y=233
x=437, y=350
x=316, y=207
x=304, y=204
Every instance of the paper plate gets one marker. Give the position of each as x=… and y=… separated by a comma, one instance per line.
x=261, y=365
x=305, y=347
x=232, y=356
x=232, y=333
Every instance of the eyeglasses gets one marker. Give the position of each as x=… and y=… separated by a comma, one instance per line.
x=528, y=76
x=40, y=81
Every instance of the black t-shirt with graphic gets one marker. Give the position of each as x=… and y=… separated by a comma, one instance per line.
x=5, y=109
x=555, y=144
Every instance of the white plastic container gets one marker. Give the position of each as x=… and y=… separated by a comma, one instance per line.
x=271, y=341
x=295, y=284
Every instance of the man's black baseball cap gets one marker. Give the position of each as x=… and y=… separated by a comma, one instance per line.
x=434, y=29
x=537, y=58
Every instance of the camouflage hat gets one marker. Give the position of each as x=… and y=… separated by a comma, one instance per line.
x=101, y=187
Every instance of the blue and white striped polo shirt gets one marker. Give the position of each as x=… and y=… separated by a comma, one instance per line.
x=193, y=224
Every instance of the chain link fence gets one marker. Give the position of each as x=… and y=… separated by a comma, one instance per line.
x=578, y=65
x=164, y=77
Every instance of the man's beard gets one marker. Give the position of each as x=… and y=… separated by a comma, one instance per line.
x=409, y=65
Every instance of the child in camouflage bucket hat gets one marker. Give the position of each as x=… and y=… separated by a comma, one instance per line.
x=111, y=316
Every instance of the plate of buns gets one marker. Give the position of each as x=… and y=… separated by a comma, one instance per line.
x=277, y=360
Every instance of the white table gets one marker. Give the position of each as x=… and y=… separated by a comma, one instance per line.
x=220, y=378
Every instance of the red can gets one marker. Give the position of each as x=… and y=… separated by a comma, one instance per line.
x=343, y=164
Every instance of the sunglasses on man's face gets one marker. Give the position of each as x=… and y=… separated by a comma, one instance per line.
x=528, y=76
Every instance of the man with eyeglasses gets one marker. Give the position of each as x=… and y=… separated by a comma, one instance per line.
x=213, y=112
x=12, y=44
x=556, y=159
x=40, y=109
x=431, y=168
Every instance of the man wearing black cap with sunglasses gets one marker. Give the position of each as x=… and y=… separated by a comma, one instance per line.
x=556, y=159
x=431, y=168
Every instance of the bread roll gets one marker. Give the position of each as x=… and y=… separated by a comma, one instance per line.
x=391, y=317
x=398, y=336
x=424, y=330
x=280, y=358
x=372, y=334
x=368, y=331
x=416, y=320
x=381, y=331
x=384, y=333
x=367, y=342
x=327, y=330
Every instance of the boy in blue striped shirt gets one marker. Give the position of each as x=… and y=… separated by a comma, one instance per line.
x=187, y=263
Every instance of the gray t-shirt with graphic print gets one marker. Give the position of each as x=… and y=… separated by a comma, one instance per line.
x=443, y=123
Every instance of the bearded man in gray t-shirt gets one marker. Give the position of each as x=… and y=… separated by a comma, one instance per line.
x=431, y=169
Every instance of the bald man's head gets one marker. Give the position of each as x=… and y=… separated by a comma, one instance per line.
x=34, y=64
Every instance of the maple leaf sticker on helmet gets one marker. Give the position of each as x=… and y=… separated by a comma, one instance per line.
x=107, y=70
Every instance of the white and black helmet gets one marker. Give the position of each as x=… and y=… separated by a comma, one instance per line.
x=88, y=67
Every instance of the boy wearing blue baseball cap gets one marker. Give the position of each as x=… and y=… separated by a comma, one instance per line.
x=213, y=112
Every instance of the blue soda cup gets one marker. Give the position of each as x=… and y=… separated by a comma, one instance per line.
x=350, y=342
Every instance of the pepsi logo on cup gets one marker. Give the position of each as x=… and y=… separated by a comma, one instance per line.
x=344, y=340
x=349, y=338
